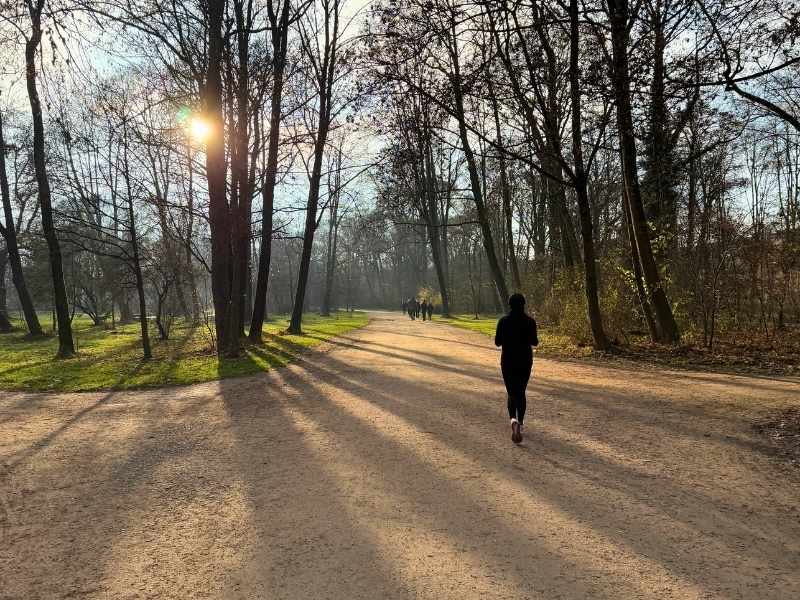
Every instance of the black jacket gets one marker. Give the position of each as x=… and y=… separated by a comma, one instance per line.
x=516, y=333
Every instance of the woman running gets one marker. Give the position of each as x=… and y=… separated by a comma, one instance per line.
x=516, y=333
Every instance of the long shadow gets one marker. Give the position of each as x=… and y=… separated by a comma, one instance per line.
x=118, y=485
x=437, y=355
x=53, y=360
x=418, y=487
x=275, y=488
x=641, y=410
x=48, y=439
x=681, y=419
x=625, y=403
x=635, y=365
x=388, y=382
x=18, y=337
x=92, y=491
x=541, y=384
x=302, y=525
x=280, y=346
x=557, y=492
x=25, y=454
x=449, y=340
x=413, y=357
x=741, y=380
x=80, y=361
x=649, y=369
x=565, y=492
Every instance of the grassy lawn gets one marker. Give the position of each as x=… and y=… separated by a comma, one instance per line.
x=113, y=359
x=550, y=343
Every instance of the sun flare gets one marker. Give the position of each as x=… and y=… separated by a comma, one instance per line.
x=199, y=129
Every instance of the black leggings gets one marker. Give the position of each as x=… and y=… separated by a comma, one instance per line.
x=516, y=379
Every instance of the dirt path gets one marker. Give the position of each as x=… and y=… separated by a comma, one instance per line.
x=380, y=466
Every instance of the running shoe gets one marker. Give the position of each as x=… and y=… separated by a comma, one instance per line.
x=516, y=436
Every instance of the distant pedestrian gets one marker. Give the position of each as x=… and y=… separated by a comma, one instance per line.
x=430, y=311
x=516, y=334
x=418, y=306
x=412, y=310
x=424, y=310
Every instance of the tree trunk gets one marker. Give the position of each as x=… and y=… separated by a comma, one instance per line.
x=295, y=325
x=641, y=291
x=540, y=214
x=445, y=252
x=618, y=12
x=171, y=242
x=569, y=239
x=325, y=80
x=5, y=322
x=330, y=268
x=658, y=185
x=190, y=273
x=9, y=233
x=279, y=44
x=234, y=171
x=137, y=271
x=333, y=231
x=242, y=215
x=216, y=173
x=172, y=255
x=136, y=265
x=691, y=214
x=257, y=148
x=474, y=176
x=125, y=312
x=66, y=346
x=441, y=277
x=581, y=190
x=505, y=190
x=436, y=230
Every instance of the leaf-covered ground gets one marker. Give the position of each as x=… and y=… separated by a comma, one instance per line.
x=782, y=428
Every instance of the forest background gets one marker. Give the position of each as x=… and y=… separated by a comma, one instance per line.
x=193, y=168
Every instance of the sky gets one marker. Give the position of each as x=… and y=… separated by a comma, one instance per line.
x=93, y=54
x=12, y=90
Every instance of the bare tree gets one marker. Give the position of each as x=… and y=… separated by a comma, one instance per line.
x=321, y=37
x=66, y=346
x=11, y=253
x=281, y=17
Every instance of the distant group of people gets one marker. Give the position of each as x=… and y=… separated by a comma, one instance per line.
x=414, y=308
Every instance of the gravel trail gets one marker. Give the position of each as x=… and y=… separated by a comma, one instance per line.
x=380, y=465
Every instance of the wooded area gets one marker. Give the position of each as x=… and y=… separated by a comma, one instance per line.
x=632, y=167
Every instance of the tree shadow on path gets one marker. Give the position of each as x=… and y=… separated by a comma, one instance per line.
x=681, y=510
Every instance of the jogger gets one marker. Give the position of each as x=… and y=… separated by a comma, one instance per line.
x=516, y=334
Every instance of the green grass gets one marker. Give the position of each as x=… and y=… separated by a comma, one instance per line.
x=113, y=359
x=550, y=343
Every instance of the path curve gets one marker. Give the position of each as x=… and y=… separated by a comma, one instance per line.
x=380, y=466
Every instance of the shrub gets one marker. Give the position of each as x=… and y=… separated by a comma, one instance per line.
x=565, y=305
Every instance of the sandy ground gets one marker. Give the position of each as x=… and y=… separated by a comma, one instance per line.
x=380, y=466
